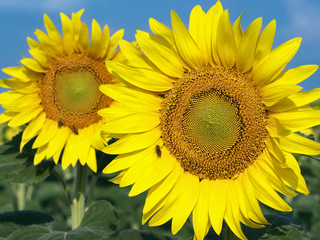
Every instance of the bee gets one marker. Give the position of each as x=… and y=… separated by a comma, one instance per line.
x=60, y=123
x=158, y=150
x=74, y=129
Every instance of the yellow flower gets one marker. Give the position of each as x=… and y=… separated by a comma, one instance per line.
x=57, y=91
x=207, y=121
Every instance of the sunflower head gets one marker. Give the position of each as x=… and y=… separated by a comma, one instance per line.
x=207, y=121
x=56, y=91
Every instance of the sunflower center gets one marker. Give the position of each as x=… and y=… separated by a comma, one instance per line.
x=77, y=89
x=214, y=122
x=70, y=91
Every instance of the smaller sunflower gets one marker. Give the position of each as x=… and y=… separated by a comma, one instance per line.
x=56, y=92
x=207, y=122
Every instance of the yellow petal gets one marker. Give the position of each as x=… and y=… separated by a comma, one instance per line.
x=84, y=37
x=296, y=75
x=134, y=142
x=134, y=55
x=134, y=123
x=128, y=96
x=33, y=44
x=96, y=140
x=186, y=46
x=264, y=192
x=295, y=143
x=127, y=160
x=237, y=197
x=162, y=31
x=25, y=102
x=273, y=93
x=197, y=30
x=212, y=21
x=273, y=147
x=169, y=204
x=269, y=67
x=84, y=144
x=95, y=46
x=40, y=154
x=20, y=86
x=33, y=65
x=265, y=40
x=296, y=100
x=113, y=43
x=33, y=127
x=153, y=174
x=159, y=53
x=76, y=23
x=53, y=49
x=299, y=120
x=23, y=74
x=48, y=131
x=237, y=30
x=69, y=155
x=186, y=201
x=274, y=179
x=218, y=203
x=254, y=210
x=290, y=173
x=104, y=42
x=143, y=78
x=247, y=46
x=226, y=45
x=92, y=160
x=232, y=215
x=58, y=141
x=275, y=129
x=25, y=116
x=9, y=96
x=51, y=29
x=134, y=172
x=200, y=214
x=7, y=115
x=158, y=192
x=67, y=30
x=40, y=57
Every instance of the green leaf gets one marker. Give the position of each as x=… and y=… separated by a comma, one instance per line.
x=18, y=167
x=29, y=233
x=6, y=229
x=26, y=217
x=287, y=232
x=54, y=236
x=99, y=222
x=133, y=234
x=101, y=216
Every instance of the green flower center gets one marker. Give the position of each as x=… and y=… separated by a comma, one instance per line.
x=70, y=91
x=77, y=89
x=213, y=122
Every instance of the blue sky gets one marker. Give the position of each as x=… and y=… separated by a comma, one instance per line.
x=295, y=18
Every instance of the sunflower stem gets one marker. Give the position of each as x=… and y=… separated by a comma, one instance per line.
x=92, y=186
x=21, y=196
x=77, y=207
x=64, y=185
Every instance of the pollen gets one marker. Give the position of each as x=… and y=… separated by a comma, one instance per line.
x=214, y=122
x=70, y=91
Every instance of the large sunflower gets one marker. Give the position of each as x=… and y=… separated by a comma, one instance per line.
x=57, y=91
x=207, y=121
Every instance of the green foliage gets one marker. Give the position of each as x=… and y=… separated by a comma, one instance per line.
x=18, y=167
x=286, y=232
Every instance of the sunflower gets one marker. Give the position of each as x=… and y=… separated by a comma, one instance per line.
x=206, y=121
x=57, y=91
